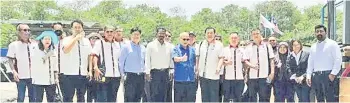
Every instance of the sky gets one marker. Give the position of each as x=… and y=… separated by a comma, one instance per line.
x=193, y=6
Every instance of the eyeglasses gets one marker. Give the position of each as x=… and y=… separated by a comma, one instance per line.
x=168, y=36
x=26, y=30
x=272, y=40
x=93, y=38
x=218, y=39
x=185, y=39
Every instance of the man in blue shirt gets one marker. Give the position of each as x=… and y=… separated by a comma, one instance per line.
x=184, y=60
x=132, y=65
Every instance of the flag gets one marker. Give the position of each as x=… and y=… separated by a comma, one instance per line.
x=275, y=29
x=272, y=24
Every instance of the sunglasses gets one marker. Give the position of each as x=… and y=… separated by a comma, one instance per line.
x=26, y=30
x=168, y=36
x=272, y=40
x=94, y=38
x=217, y=39
x=186, y=39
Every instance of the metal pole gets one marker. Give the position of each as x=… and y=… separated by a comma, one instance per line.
x=331, y=29
x=346, y=24
x=322, y=13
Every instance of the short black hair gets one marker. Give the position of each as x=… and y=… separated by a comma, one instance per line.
x=208, y=28
x=161, y=29
x=135, y=29
x=77, y=21
x=321, y=26
x=255, y=29
x=56, y=23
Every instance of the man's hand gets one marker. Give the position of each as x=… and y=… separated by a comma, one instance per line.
x=300, y=79
x=217, y=71
x=148, y=77
x=90, y=75
x=256, y=67
x=271, y=76
x=97, y=74
x=184, y=58
x=227, y=62
x=279, y=65
x=331, y=77
x=15, y=76
x=79, y=36
x=308, y=81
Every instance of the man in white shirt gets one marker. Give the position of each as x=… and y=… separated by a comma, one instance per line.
x=233, y=76
x=260, y=74
x=208, y=65
x=20, y=62
x=158, y=62
x=77, y=50
x=323, y=65
x=107, y=51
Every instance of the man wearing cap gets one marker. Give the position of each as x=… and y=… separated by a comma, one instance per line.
x=192, y=39
x=132, y=66
x=92, y=85
x=209, y=61
x=107, y=51
x=158, y=62
x=20, y=62
x=77, y=50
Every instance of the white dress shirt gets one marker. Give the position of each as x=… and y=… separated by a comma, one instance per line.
x=43, y=71
x=71, y=59
x=158, y=56
x=208, y=62
x=233, y=73
x=325, y=55
x=297, y=57
x=112, y=68
x=19, y=51
x=262, y=61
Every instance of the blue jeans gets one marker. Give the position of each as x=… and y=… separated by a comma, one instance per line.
x=209, y=89
x=107, y=91
x=21, y=89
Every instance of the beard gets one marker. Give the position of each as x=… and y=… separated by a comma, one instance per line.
x=320, y=37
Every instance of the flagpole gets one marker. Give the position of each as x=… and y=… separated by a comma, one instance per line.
x=265, y=27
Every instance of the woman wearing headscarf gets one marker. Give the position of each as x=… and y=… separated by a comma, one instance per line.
x=296, y=65
x=283, y=88
x=45, y=67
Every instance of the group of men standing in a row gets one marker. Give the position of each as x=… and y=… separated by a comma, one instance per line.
x=110, y=60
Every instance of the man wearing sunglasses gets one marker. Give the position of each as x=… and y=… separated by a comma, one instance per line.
x=158, y=62
x=184, y=61
x=20, y=62
x=273, y=42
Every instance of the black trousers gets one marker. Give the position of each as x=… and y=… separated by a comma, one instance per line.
x=260, y=87
x=209, y=89
x=233, y=90
x=324, y=88
x=39, y=92
x=74, y=83
x=159, y=85
x=107, y=91
x=303, y=92
x=134, y=87
x=185, y=92
x=91, y=91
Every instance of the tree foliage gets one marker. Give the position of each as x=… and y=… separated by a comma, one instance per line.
x=294, y=22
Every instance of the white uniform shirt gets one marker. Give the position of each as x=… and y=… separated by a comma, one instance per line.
x=19, y=51
x=232, y=73
x=158, y=56
x=111, y=60
x=210, y=54
x=251, y=52
x=71, y=59
x=43, y=72
x=61, y=60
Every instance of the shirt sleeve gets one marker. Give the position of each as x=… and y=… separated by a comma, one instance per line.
x=11, y=53
x=148, y=65
x=171, y=57
x=65, y=41
x=96, y=50
x=89, y=46
x=122, y=58
x=337, y=59
x=310, y=65
x=244, y=55
x=197, y=51
x=271, y=54
x=220, y=51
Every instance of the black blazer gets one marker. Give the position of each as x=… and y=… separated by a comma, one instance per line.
x=292, y=66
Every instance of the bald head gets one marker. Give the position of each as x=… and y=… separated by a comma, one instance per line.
x=184, y=38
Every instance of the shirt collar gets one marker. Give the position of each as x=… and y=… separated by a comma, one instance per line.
x=296, y=55
x=324, y=41
x=109, y=41
x=181, y=47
